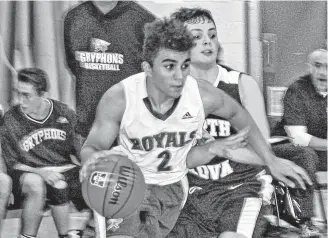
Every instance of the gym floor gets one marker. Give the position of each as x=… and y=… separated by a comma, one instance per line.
x=47, y=229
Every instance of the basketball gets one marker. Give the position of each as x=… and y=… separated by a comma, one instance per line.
x=115, y=187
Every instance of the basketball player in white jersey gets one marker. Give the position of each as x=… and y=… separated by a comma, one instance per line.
x=158, y=115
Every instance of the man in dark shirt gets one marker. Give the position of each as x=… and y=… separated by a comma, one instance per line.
x=305, y=121
x=103, y=43
x=305, y=106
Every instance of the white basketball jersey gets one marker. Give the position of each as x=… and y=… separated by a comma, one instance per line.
x=160, y=146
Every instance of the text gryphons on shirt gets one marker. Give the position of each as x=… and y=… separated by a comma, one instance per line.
x=38, y=136
x=99, y=59
x=216, y=128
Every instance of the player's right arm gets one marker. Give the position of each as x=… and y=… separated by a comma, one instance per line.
x=105, y=128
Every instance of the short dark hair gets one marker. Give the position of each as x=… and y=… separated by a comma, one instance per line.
x=192, y=15
x=167, y=33
x=35, y=76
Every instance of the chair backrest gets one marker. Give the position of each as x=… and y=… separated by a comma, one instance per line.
x=278, y=129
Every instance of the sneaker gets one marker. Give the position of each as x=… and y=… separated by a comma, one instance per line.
x=89, y=232
x=75, y=234
x=310, y=230
x=281, y=232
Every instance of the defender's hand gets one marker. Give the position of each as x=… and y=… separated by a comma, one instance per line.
x=221, y=147
x=285, y=171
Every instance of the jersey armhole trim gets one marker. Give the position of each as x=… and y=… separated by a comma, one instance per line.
x=126, y=105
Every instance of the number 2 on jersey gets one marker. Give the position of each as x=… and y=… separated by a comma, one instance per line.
x=165, y=156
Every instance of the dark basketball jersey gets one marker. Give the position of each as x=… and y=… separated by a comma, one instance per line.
x=39, y=143
x=304, y=106
x=219, y=170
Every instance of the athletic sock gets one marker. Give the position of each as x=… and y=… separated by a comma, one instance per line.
x=26, y=236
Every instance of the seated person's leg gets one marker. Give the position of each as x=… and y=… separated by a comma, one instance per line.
x=75, y=189
x=5, y=191
x=308, y=159
x=323, y=160
x=305, y=157
x=59, y=204
x=33, y=189
x=76, y=197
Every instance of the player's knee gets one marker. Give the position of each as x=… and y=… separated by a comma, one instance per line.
x=5, y=185
x=58, y=197
x=230, y=234
x=33, y=184
x=307, y=151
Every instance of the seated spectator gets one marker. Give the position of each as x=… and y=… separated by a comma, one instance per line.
x=5, y=183
x=37, y=138
x=305, y=121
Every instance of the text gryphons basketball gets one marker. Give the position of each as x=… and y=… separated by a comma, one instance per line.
x=115, y=188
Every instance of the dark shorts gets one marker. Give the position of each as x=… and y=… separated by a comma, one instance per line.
x=54, y=196
x=230, y=207
x=157, y=214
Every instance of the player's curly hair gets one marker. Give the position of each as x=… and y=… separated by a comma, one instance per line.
x=165, y=33
x=35, y=76
x=193, y=15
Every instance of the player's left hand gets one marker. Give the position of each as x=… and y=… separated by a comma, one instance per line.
x=289, y=173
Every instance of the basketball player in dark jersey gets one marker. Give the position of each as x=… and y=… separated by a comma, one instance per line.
x=224, y=195
x=37, y=139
